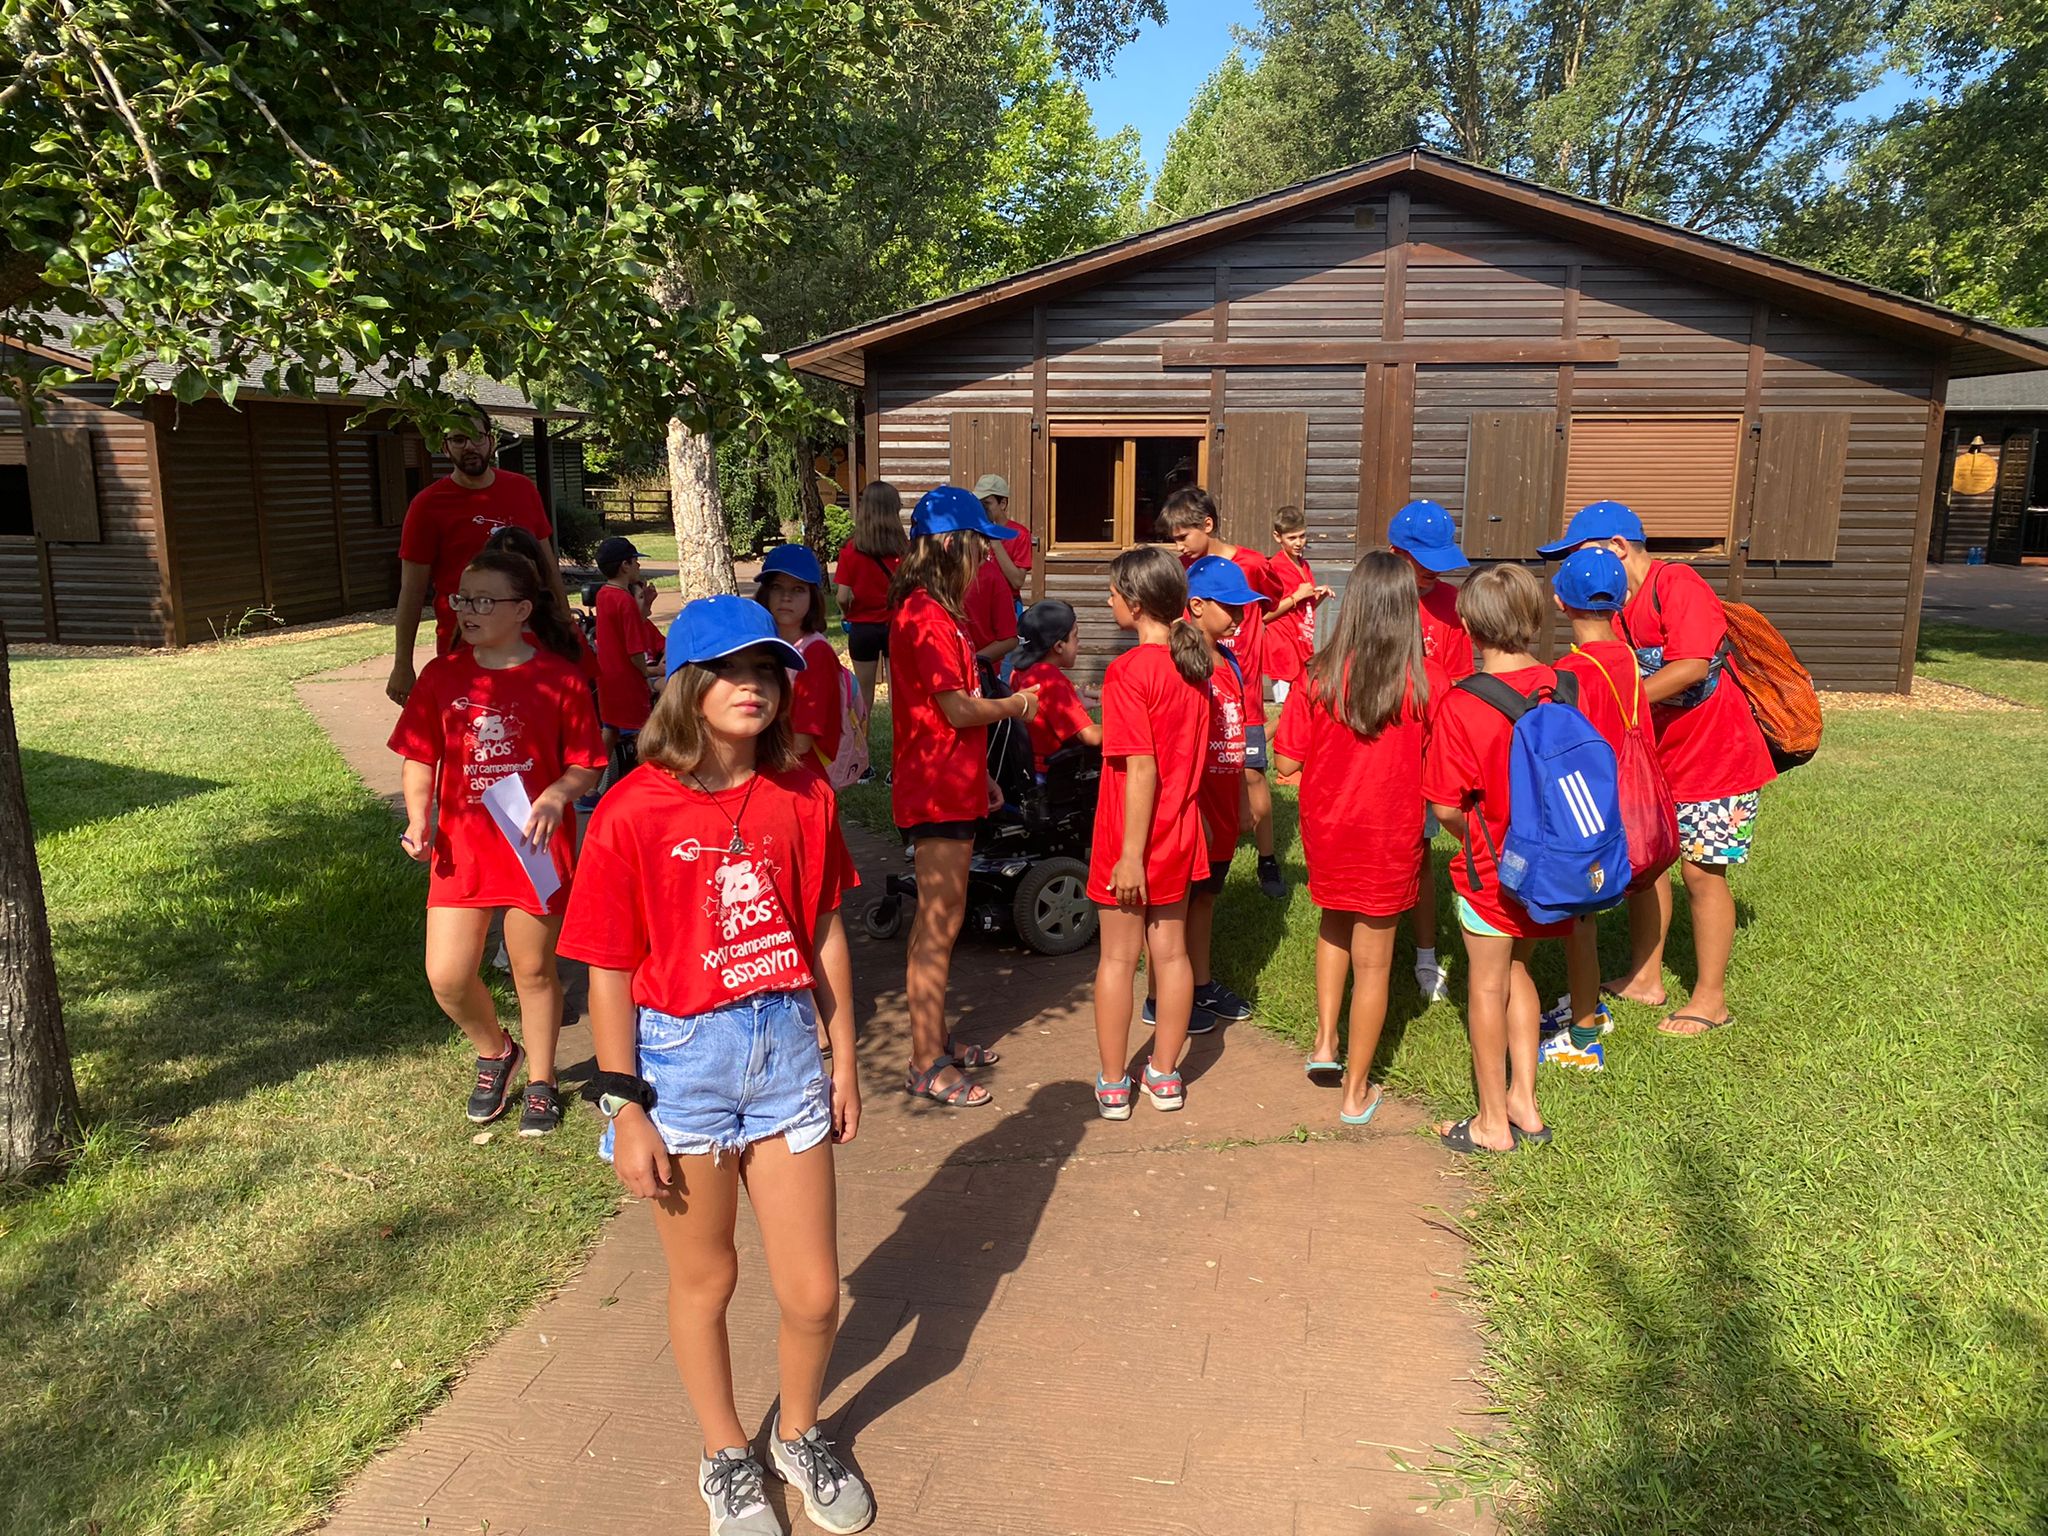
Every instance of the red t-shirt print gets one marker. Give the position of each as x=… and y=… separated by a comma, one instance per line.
x=447, y=526
x=623, y=698
x=941, y=772
x=478, y=725
x=1150, y=710
x=867, y=577
x=1360, y=801
x=1467, y=765
x=1714, y=749
x=1061, y=714
x=1222, y=790
x=662, y=895
x=1444, y=640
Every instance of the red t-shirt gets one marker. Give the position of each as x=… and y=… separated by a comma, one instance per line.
x=941, y=772
x=1250, y=640
x=1291, y=637
x=701, y=927
x=1714, y=749
x=1444, y=640
x=817, y=703
x=447, y=525
x=476, y=725
x=1467, y=765
x=1223, y=762
x=623, y=699
x=867, y=577
x=657, y=642
x=1061, y=714
x=1150, y=710
x=1608, y=684
x=586, y=654
x=990, y=606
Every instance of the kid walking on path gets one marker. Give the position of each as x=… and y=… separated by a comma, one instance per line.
x=942, y=786
x=1355, y=731
x=497, y=707
x=1465, y=778
x=1423, y=534
x=1713, y=755
x=1291, y=621
x=708, y=913
x=1148, y=846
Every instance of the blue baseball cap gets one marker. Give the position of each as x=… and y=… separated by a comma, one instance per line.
x=711, y=627
x=1596, y=520
x=1592, y=581
x=955, y=509
x=1423, y=530
x=1217, y=580
x=793, y=560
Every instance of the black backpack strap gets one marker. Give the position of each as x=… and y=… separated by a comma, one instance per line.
x=1485, y=686
x=1566, y=689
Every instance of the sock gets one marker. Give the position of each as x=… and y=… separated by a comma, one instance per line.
x=1269, y=861
x=1585, y=1037
x=1425, y=959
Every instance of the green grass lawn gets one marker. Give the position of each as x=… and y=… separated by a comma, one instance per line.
x=281, y=1241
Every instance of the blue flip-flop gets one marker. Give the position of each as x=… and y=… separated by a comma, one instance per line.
x=1370, y=1110
x=1313, y=1067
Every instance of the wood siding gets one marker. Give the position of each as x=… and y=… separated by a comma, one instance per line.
x=1379, y=432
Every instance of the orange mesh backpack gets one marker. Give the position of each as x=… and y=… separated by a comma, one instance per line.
x=1780, y=691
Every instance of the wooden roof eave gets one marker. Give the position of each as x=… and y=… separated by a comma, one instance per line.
x=1973, y=347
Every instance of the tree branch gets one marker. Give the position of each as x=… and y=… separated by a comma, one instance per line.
x=89, y=46
x=248, y=91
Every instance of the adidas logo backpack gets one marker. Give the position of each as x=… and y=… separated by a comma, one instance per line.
x=1566, y=851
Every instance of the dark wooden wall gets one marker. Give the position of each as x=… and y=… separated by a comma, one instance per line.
x=1395, y=268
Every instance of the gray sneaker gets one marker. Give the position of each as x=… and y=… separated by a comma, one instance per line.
x=735, y=1490
x=834, y=1496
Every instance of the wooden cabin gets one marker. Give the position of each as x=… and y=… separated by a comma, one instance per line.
x=1992, y=494
x=1416, y=326
x=160, y=524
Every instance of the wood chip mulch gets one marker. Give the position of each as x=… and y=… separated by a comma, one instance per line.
x=1944, y=698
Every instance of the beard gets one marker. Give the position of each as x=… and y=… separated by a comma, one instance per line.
x=473, y=463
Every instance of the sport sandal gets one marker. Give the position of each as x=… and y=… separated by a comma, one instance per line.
x=1165, y=1089
x=961, y=1095
x=1113, y=1100
x=834, y=1496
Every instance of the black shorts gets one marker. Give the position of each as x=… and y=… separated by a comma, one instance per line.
x=1213, y=882
x=950, y=831
x=867, y=642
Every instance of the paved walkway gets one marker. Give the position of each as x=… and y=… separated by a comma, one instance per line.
x=2009, y=597
x=1187, y=1323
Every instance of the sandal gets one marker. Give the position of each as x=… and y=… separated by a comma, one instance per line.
x=1371, y=1109
x=924, y=1085
x=967, y=1054
x=1533, y=1138
x=1459, y=1138
x=1707, y=1025
x=1113, y=1100
x=1320, y=1069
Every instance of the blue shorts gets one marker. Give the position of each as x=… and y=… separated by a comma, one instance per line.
x=726, y=1079
x=1255, y=747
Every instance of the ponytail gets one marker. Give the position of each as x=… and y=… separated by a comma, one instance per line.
x=1190, y=650
x=545, y=618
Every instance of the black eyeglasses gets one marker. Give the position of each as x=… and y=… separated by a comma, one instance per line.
x=479, y=605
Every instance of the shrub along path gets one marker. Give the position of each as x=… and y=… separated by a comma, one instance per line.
x=1225, y=1320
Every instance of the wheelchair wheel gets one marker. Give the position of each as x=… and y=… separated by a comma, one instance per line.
x=1052, y=910
x=883, y=918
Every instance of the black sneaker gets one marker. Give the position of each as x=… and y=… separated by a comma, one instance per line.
x=493, y=1084
x=1200, y=1019
x=542, y=1112
x=1218, y=999
x=1270, y=880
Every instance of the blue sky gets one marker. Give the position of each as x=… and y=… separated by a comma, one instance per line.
x=1155, y=77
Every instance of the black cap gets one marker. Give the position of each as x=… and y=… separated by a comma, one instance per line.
x=615, y=552
x=1042, y=627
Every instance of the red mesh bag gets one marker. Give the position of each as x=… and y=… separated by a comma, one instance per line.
x=1780, y=691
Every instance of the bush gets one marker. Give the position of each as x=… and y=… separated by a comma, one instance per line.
x=838, y=527
x=577, y=530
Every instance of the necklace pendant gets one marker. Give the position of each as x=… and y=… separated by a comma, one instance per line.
x=738, y=843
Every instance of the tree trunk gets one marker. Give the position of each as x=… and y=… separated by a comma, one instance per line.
x=813, y=505
x=38, y=1099
x=703, y=544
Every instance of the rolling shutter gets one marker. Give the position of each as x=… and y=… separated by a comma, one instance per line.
x=63, y=487
x=1676, y=472
x=994, y=443
x=1510, y=483
x=1265, y=466
x=1801, y=459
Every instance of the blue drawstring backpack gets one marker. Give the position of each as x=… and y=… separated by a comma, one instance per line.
x=1566, y=852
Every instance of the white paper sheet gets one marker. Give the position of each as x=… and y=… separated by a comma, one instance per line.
x=506, y=801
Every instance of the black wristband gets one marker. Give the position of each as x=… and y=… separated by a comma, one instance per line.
x=622, y=1085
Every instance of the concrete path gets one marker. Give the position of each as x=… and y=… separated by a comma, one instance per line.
x=2009, y=597
x=1226, y=1321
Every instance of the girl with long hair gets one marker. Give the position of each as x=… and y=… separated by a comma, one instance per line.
x=861, y=577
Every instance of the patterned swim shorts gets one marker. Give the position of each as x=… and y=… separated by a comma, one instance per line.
x=1716, y=831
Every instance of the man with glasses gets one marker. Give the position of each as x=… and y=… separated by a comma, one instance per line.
x=446, y=527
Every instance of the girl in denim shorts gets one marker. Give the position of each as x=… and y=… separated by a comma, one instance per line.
x=707, y=908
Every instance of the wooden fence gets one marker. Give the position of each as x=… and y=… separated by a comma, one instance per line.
x=625, y=508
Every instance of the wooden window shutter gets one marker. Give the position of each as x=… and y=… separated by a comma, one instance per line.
x=2009, y=504
x=63, y=486
x=1801, y=459
x=390, y=450
x=993, y=443
x=1510, y=483
x=1265, y=466
x=1677, y=472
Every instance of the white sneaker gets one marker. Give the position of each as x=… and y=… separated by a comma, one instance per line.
x=1560, y=1017
x=1434, y=985
x=834, y=1496
x=735, y=1490
x=502, y=960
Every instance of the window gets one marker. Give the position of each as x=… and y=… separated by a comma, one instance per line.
x=1676, y=472
x=1110, y=478
x=16, y=515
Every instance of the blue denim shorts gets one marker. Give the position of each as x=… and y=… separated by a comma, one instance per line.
x=726, y=1079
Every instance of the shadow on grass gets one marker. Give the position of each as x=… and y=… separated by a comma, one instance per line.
x=1717, y=1428
x=294, y=944
x=1949, y=639
x=65, y=792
